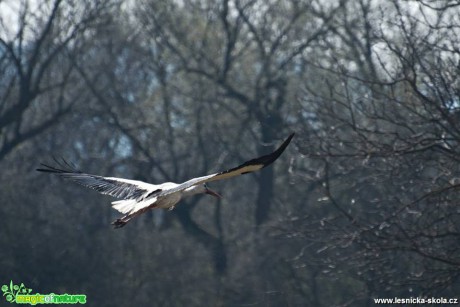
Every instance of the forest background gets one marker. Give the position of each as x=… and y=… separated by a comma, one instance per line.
x=363, y=204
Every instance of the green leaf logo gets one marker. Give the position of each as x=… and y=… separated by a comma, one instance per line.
x=10, y=292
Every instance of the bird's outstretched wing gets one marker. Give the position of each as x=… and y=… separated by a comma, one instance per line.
x=245, y=168
x=116, y=187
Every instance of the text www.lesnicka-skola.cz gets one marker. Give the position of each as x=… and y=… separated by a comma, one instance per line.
x=416, y=300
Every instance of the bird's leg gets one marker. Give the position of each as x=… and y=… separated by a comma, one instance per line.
x=118, y=223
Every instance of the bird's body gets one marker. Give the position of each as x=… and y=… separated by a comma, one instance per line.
x=137, y=197
x=151, y=200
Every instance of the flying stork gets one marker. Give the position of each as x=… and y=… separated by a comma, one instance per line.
x=137, y=197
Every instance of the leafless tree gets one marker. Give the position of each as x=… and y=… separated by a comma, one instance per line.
x=247, y=51
x=35, y=39
x=383, y=132
x=361, y=205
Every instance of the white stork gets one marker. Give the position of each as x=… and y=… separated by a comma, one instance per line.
x=137, y=197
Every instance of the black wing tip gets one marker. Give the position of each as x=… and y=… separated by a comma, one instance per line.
x=46, y=170
x=287, y=141
x=62, y=167
x=49, y=169
x=266, y=160
x=270, y=158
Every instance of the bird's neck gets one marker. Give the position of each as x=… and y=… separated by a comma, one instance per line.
x=192, y=191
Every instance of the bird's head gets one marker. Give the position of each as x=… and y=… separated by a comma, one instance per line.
x=211, y=192
x=201, y=188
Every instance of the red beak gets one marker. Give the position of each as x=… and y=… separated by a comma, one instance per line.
x=211, y=192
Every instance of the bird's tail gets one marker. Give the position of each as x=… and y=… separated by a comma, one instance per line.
x=131, y=208
x=125, y=206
